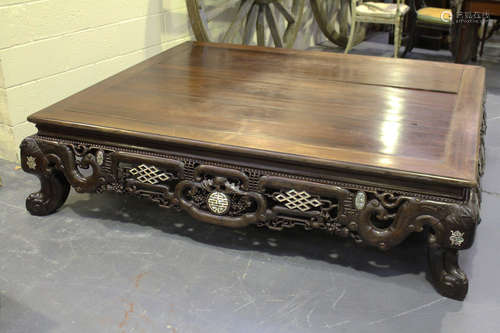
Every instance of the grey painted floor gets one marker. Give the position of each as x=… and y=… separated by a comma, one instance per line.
x=106, y=263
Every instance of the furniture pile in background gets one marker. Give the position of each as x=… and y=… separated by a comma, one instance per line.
x=462, y=26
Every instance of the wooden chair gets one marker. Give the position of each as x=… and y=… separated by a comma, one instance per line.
x=378, y=12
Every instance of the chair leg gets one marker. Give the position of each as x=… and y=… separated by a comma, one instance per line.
x=397, y=37
x=483, y=39
x=412, y=35
x=351, y=37
x=401, y=28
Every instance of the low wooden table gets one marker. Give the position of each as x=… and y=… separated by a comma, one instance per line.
x=362, y=147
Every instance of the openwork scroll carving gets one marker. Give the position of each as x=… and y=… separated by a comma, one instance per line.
x=236, y=197
x=217, y=196
x=301, y=203
x=146, y=177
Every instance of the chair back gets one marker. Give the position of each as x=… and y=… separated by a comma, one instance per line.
x=355, y=3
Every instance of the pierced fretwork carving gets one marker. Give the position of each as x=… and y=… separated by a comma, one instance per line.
x=145, y=177
x=293, y=199
x=214, y=199
x=307, y=204
x=148, y=174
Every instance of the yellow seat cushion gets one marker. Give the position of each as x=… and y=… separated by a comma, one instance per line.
x=435, y=15
x=381, y=9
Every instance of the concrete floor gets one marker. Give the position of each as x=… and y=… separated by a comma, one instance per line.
x=107, y=263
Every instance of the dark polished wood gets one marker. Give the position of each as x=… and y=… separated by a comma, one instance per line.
x=491, y=7
x=372, y=148
x=357, y=110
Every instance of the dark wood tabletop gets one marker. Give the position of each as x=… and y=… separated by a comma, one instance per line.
x=395, y=115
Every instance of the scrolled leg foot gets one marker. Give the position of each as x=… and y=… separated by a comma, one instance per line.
x=52, y=195
x=447, y=277
x=54, y=186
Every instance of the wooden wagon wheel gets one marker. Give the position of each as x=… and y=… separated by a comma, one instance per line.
x=262, y=22
x=334, y=20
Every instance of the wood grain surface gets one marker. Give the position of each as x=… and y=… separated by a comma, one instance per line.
x=416, y=117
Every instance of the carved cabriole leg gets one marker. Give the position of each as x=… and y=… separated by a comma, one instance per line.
x=54, y=187
x=57, y=167
x=447, y=277
x=452, y=227
x=455, y=232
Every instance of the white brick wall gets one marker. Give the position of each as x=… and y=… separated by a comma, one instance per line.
x=33, y=20
x=50, y=49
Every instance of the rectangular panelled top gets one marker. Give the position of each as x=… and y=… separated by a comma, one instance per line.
x=392, y=115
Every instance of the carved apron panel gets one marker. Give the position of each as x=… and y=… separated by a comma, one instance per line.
x=237, y=197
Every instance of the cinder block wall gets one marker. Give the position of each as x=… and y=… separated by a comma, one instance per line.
x=50, y=49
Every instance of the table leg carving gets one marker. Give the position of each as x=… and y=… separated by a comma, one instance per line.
x=451, y=233
x=54, y=187
x=452, y=228
x=447, y=277
x=58, y=166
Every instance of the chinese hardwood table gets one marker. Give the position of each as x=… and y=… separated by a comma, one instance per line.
x=363, y=147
